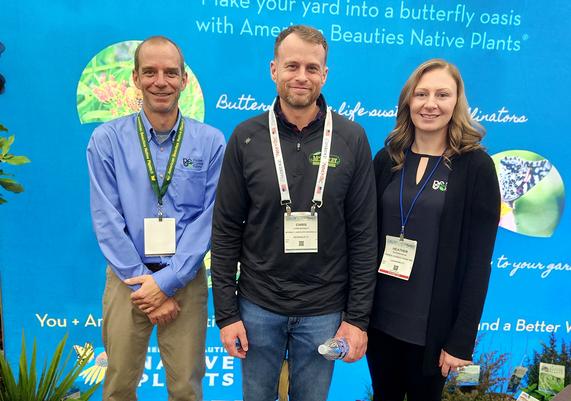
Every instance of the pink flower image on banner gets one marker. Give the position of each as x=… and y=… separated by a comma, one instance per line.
x=106, y=90
x=533, y=194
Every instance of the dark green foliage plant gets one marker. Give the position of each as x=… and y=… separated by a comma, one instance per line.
x=54, y=382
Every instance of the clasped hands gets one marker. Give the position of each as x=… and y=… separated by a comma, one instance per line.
x=151, y=300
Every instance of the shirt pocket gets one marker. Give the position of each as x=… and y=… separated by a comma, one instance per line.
x=189, y=187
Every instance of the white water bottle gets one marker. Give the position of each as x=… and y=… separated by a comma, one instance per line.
x=334, y=348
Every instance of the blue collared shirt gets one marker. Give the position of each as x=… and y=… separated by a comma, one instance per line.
x=122, y=197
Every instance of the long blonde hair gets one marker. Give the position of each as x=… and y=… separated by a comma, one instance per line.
x=464, y=134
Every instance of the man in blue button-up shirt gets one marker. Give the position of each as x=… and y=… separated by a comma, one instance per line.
x=168, y=290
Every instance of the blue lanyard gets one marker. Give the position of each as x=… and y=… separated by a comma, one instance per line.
x=404, y=219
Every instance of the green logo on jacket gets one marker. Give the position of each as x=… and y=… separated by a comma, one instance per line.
x=315, y=159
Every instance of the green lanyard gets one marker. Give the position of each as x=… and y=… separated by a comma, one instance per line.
x=149, y=160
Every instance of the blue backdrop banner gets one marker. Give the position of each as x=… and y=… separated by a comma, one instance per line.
x=67, y=66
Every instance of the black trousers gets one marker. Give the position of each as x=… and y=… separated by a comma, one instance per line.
x=396, y=370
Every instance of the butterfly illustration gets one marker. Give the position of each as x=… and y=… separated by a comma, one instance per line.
x=84, y=352
x=96, y=367
x=518, y=176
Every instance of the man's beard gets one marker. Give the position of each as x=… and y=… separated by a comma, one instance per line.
x=301, y=102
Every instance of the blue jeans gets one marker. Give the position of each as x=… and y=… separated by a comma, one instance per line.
x=270, y=338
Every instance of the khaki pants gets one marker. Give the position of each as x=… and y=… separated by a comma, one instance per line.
x=126, y=332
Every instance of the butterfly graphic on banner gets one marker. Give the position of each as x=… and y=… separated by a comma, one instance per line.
x=518, y=176
x=532, y=193
x=95, y=369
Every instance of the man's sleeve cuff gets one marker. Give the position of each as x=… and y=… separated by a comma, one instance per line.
x=363, y=324
x=221, y=323
x=167, y=281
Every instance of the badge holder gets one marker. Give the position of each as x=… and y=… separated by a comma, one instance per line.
x=300, y=231
x=160, y=235
x=398, y=257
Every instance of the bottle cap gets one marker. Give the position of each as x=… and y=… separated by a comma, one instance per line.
x=323, y=349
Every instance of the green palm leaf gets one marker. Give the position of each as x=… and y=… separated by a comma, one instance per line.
x=55, y=380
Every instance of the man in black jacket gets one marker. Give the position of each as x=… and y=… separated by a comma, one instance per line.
x=296, y=208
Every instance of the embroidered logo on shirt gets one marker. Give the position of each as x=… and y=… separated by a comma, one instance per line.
x=194, y=164
x=315, y=159
x=439, y=185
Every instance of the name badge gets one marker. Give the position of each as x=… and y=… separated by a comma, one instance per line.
x=526, y=397
x=160, y=236
x=468, y=375
x=398, y=257
x=300, y=232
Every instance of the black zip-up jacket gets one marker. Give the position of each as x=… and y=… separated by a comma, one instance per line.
x=248, y=224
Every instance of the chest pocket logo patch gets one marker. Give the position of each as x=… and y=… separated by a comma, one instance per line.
x=193, y=164
x=315, y=159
